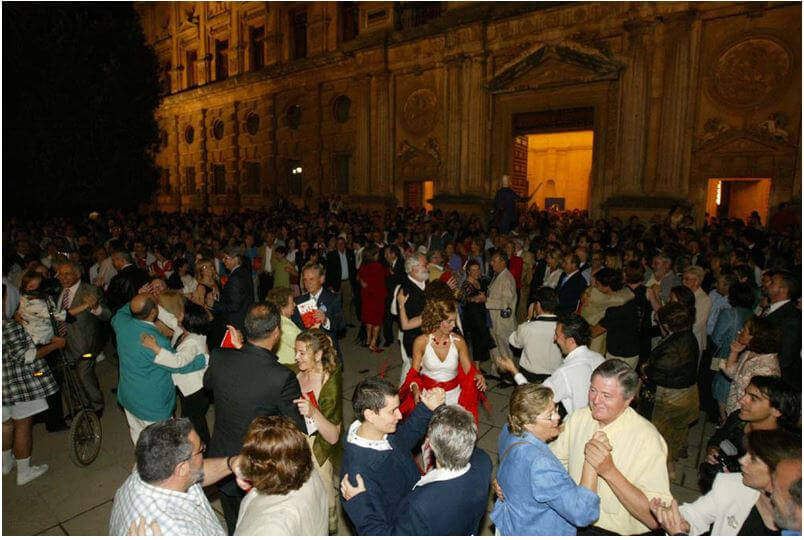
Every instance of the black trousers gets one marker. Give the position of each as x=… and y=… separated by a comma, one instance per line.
x=231, y=507
x=54, y=415
x=194, y=407
x=388, y=323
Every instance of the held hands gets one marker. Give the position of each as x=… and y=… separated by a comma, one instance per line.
x=91, y=301
x=598, y=453
x=433, y=398
x=348, y=490
x=669, y=517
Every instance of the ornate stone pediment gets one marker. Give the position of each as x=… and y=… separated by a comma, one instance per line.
x=554, y=64
x=417, y=164
x=745, y=142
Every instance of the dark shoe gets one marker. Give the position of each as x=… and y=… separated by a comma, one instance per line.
x=387, y=344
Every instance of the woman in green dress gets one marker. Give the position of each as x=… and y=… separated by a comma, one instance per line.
x=321, y=405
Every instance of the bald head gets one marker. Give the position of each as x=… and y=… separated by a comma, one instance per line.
x=143, y=307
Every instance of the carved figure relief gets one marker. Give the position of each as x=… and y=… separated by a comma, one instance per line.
x=419, y=111
x=713, y=128
x=774, y=127
x=750, y=72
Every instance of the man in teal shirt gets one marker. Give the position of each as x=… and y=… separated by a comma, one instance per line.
x=145, y=389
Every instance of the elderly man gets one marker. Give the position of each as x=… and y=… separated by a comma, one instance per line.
x=85, y=333
x=501, y=303
x=662, y=280
x=165, y=488
x=145, y=389
x=411, y=295
x=692, y=278
x=126, y=282
x=377, y=449
x=328, y=312
x=237, y=295
x=433, y=508
x=634, y=471
x=786, y=496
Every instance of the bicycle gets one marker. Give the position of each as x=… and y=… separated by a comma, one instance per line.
x=86, y=433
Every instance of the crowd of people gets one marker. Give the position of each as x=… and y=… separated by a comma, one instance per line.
x=616, y=336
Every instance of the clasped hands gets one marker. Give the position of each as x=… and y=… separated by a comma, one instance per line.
x=597, y=453
x=432, y=398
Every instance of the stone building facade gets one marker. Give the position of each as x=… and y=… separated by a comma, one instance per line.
x=370, y=99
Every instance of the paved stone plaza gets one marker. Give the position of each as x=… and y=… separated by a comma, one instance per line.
x=69, y=500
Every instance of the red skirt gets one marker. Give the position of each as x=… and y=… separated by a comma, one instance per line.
x=469, y=398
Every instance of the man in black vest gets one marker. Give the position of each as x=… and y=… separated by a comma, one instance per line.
x=783, y=314
x=411, y=294
x=396, y=276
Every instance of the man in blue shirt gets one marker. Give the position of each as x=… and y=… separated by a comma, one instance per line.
x=379, y=452
x=449, y=500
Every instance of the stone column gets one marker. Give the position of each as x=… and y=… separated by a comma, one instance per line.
x=474, y=114
x=237, y=45
x=453, y=103
x=363, y=147
x=203, y=179
x=234, y=157
x=381, y=149
x=635, y=88
x=673, y=150
x=180, y=188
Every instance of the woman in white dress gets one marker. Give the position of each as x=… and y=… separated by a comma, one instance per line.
x=437, y=356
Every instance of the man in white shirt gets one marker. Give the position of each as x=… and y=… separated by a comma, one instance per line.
x=540, y=355
x=102, y=272
x=570, y=382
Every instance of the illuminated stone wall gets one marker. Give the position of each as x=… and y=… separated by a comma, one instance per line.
x=680, y=92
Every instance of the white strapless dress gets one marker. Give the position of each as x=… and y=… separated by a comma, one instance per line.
x=433, y=367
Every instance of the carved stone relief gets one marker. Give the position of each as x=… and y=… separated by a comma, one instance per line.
x=419, y=111
x=750, y=72
x=417, y=164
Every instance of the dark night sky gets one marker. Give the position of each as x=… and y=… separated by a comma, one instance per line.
x=79, y=93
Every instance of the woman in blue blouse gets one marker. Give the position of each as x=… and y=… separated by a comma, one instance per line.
x=539, y=496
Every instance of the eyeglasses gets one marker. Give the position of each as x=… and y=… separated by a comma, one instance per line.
x=200, y=451
x=552, y=417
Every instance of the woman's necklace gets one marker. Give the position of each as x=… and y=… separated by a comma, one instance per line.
x=440, y=342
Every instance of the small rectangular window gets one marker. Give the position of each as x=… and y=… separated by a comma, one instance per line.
x=256, y=47
x=341, y=164
x=221, y=60
x=219, y=179
x=349, y=20
x=253, y=178
x=192, y=58
x=189, y=180
x=298, y=22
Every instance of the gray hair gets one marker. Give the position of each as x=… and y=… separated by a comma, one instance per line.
x=124, y=256
x=696, y=271
x=452, y=435
x=625, y=375
x=412, y=261
x=161, y=447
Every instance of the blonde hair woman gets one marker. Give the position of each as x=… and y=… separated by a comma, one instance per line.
x=321, y=405
x=540, y=497
x=437, y=355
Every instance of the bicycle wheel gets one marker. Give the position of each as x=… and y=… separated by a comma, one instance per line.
x=85, y=438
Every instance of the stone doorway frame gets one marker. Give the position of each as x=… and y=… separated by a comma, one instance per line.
x=554, y=76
